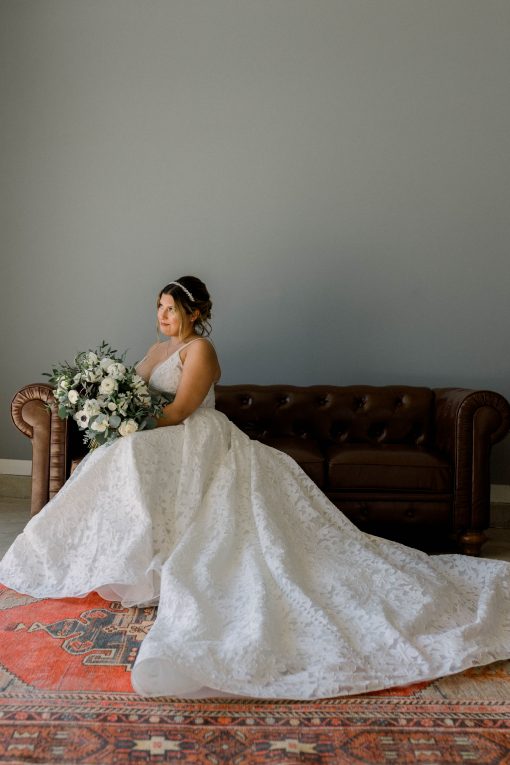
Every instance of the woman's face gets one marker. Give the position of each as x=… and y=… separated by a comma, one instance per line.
x=169, y=318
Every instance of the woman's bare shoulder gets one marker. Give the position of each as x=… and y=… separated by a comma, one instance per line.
x=150, y=355
x=202, y=346
x=153, y=348
x=202, y=351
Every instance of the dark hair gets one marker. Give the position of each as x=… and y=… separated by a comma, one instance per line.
x=185, y=305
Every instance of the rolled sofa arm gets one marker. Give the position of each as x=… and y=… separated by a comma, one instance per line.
x=34, y=412
x=467, y=424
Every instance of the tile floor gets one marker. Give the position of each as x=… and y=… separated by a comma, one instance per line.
x=15, y=512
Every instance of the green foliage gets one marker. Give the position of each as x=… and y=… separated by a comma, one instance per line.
x=106, y=397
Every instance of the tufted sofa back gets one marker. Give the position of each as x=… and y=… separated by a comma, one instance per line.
x=352, y=414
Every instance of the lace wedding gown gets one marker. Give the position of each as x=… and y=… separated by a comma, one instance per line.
x=265, y=589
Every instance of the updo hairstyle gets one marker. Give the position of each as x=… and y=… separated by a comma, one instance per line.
x=184, y=305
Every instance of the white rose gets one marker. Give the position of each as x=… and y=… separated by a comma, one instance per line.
x=82, y=419
x=91, y=407
x=127, y=427
x=63, y=383
x=92, y=358
x=73, y=396
x=108, y=385
x=112, y=406
x=116, y=370
x=105, y=362
x=100, y=423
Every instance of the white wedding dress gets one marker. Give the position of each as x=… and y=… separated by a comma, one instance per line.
x=265, y=589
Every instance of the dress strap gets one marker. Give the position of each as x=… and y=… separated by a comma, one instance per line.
x=192, y=341
x=178, y=351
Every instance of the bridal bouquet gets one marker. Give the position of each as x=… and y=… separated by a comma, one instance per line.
x=106, y=398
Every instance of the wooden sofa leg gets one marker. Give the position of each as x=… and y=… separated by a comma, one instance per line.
x=471, y=542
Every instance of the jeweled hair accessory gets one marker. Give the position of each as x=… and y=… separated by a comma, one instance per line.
x=188, y=293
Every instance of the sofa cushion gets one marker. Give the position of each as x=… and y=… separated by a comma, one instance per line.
x=388, y=467
x=305, y=452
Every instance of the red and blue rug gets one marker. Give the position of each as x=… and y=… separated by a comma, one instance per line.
x=66, y=697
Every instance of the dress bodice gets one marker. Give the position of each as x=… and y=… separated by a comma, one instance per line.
x=166, y=377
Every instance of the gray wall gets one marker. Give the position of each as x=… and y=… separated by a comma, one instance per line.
x=337, y=171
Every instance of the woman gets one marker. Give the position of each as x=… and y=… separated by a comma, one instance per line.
x=264, y=588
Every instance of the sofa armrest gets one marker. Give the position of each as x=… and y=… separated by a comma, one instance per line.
x=467, y=424
x=34, y=413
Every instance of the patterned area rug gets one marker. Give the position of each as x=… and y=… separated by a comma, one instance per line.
x=66, y=697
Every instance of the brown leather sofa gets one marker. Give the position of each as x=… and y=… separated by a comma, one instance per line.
x=407, y=463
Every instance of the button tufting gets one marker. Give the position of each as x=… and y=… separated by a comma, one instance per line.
x=282, y=400
x=378, y=431
x=246, y=400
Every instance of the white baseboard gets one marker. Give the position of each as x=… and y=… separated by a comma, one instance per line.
x=15, y=467
x=500, y=493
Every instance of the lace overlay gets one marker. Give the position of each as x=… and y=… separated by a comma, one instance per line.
x=265, y=589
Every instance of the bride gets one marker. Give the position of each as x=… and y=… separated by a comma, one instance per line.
x=264, y=588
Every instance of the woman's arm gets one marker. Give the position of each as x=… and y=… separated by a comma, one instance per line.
x=200, y=370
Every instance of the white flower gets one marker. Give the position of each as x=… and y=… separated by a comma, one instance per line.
x=105, y=362
x=112, y=406
x=63, y=383
x=108, y=385
x=82, y=419
x=91, y=407
x=127, y=427
x=73, y=396
x=138, y=381
x=100, y=424
x=92, y=358
x=116, y=370
x=91, y=375
x=77, y=378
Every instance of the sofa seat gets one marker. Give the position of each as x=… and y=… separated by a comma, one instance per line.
x=386, y=466
x=399, y=461
x=305, y=452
